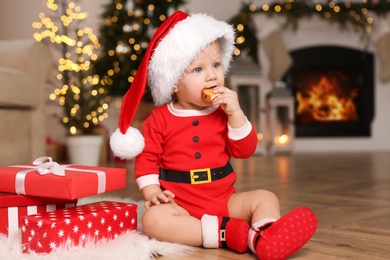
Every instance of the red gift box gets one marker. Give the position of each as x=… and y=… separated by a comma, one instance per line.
x=74, y=226
x=60, y=181
x=12, y=207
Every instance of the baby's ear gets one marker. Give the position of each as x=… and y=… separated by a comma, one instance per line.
x=175, y=89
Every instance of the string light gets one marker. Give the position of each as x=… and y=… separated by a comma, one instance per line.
x=344, y=13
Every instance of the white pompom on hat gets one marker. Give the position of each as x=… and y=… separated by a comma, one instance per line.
x=173, y=47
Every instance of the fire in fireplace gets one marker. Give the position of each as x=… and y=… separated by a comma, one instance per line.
x=325, y=96
x=334, y=91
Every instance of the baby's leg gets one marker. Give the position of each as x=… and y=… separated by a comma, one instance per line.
x=172, y=223
x=253, y=206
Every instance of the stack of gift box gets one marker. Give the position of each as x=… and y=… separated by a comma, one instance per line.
x=41, y=199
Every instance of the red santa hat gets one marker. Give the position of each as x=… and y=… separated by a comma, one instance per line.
x=173, y=47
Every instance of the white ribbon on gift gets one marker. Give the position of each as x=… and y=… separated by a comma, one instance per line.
x=45, y=165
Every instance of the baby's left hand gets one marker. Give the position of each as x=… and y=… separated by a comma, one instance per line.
x=160, y=197
x=227, y=100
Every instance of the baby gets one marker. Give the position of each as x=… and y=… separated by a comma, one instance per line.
x=182, y=165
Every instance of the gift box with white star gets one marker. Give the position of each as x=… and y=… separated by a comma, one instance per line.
x=74, y=226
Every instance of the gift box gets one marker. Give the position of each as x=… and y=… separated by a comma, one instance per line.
x=74, y=226
x=13, y=206
x=48, y=179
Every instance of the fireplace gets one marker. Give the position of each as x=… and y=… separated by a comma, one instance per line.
x=333, y=88
x=312, y=33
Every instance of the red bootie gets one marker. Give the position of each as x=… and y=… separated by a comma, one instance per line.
x=285, y=236
x=225, y=232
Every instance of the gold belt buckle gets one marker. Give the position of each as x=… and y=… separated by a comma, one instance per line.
x=195, y=174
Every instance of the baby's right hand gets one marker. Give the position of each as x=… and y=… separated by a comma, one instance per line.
x=159, y=197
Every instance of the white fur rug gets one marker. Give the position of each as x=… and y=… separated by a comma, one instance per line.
x=133, y=245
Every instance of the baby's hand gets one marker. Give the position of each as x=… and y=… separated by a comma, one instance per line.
x=160, y=197
x=227, y=100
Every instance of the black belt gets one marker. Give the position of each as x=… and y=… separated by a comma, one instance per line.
x=197, y=176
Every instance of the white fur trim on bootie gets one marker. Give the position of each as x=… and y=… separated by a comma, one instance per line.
x=128, y=145
x=210, y=232
x=255, y=228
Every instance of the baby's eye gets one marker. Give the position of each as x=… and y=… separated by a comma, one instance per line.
x=216, y=65
x=197, y=70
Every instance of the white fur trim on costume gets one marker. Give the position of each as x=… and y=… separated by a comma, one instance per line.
x=179, y=48
x=191, y=112
x=147, y=180
x=210, y=233
x=241, y=132
x=128, y=145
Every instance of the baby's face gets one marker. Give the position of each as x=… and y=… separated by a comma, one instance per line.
x=204, y=72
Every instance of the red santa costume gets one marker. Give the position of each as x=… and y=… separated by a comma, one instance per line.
x=176, y=155
x=188, y=151
x=206, y=145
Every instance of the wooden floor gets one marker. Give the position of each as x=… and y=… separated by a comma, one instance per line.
x=350, y=194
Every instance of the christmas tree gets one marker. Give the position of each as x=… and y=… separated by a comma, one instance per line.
x=84, y=101
x=124, y=36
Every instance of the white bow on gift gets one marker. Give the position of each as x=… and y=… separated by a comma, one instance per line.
x=45, y=165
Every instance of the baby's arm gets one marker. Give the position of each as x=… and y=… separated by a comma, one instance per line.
x=155, y=196
x=243, y=139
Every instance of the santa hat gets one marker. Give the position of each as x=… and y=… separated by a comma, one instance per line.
x=173, y=47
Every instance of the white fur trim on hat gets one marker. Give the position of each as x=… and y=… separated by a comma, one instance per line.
x=128, y=145
x=180, y=47
x=210, y=232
